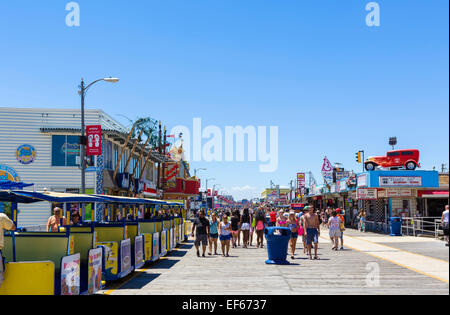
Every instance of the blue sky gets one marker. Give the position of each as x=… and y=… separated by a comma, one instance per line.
x=330, y=83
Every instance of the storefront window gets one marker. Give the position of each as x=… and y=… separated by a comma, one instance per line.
x=65, y=149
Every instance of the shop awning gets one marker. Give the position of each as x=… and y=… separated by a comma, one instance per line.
x=432, y=194
x=59, y=197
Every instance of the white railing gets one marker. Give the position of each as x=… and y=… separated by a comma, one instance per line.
x=421, y=226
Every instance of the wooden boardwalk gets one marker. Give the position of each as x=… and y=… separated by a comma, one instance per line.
x=344, y=272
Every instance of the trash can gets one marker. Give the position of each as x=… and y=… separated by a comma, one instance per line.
x=396, y=226
x=277, y=244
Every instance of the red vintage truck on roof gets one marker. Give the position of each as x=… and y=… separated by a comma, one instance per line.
x=407, y=159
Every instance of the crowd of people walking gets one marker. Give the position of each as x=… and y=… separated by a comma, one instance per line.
x=233, y=227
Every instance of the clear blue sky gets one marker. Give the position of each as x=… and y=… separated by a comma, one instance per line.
x=333, y=85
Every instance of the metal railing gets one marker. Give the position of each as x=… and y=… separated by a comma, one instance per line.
x=423, y=226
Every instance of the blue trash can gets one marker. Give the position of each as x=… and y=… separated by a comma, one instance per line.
x=277, y=244
x=396, y=226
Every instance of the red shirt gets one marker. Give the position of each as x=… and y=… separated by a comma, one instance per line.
x=273, y=216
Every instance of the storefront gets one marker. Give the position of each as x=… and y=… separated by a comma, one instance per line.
x=385, y=194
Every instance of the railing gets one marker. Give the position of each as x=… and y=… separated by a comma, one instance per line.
x=438, y=231
x=423, y=226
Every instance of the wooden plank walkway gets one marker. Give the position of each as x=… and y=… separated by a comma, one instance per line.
x=245, y=273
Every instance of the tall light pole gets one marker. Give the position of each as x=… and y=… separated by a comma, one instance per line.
x=82, y=92
x=208, y=179
x=198, y=169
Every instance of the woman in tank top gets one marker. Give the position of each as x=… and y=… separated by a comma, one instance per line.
x=225, y=236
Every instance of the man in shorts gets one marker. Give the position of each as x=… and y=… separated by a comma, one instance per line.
x=201, y=226
x=312, y=231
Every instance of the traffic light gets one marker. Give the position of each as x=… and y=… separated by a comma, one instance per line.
x=358, y=157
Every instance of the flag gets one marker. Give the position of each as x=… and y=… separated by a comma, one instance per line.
x=327, y=170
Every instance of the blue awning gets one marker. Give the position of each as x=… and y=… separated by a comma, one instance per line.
x=8, y=196
x=8, y=185
x=59, y=197
x=130, y=200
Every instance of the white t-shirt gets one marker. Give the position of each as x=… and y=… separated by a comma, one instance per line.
x=5, y=223
x=334, y=223
x=446, y=214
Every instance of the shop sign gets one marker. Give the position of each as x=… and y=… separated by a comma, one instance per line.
x=70, y=275
x=333, y=188
x=342, y=174
x=94, y=140
x=351, y=181
x=367, y=194
x=343, y=185
x=301, y=180
x=8, y=174
x=392, y=193
x=381, y=193
x=26, y=154
x=362, y=180
x=399, y=181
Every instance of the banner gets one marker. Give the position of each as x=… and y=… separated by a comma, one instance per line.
x=138, y=252
x=125, y=257
x=70, y=275
x=148, y=242
x=155, y=247
x=327, y=171
x=163, y=243
x=111, y=255
x=180, y=234
x=94, y=140
x=95, y=270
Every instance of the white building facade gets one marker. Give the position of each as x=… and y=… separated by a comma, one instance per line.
x=41, y=147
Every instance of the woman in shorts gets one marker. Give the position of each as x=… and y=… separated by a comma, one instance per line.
x=293, y=225
x=225, y=236
x=245, y=226
x=334, y=224
x=260, y=225
x=235, y=227
x=213, y=233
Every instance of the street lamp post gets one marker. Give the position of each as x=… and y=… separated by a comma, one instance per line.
x=198, y=169
x=82, y=93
